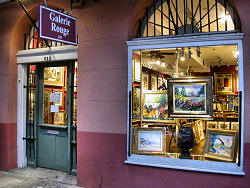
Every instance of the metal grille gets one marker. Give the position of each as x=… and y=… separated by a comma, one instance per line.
x=30, y=128
x=179, y=17
x=32, y=41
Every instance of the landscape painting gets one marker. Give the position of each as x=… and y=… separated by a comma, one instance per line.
x=155, y=106
x=221, y=144
x=189, y=98
x=150, y=140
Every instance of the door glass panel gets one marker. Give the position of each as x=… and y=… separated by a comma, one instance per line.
x=54, y=95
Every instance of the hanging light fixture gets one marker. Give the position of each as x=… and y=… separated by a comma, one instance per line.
x=189, y=53
x=158, y=62
x=198, y=52
x=182, y=55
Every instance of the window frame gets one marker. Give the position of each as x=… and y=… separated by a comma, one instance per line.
x=177, y=42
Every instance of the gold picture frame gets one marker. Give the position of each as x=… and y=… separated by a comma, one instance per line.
x=221, y=145
x=224, y=83
x=155, y=107
x=153, y=82
x=59, y=118
x=136, y=70
x=46, y=106
x=61, y=102
x=54, y=76
x=145, y=81
x=149, y=140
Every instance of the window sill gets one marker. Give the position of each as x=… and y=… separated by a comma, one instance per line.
x=185, y=164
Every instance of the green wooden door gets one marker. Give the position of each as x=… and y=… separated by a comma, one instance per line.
x=54, y=115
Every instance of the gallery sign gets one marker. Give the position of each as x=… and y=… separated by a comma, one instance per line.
x=57, y=26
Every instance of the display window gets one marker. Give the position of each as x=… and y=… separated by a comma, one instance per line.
x=186, y=108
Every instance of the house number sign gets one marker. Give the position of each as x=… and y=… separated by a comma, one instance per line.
x=57, y=26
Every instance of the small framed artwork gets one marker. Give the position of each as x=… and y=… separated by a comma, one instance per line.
x=224, y=84
x=190, y=98
x=32, y=78
x=136, y=70
x=153, y=82
x=150, y=140
x=145, y=80
x=235, y=125
x=61, y=97
x=159, y=81
x=224, y=125
x=46, y=106
x=212, y=124
x=155, y=107
x=198, y=131
x=136, y=102
x=54, y=76
x=59, y=118
x=221, y=145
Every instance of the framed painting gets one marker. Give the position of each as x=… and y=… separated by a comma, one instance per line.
x=198, y=131
x=46, y=106
x=150, y=140
x=145, y=79
x=59, y=118
x=224, y=84
x=212, y=124
x=221, y=145
x=190, y=98
x=136, y=102
x=61, y=97
x=136, y=70
x=155, y=107
x=224, y=125
x=153, y=82
x=54, y=76
x=235, y=125
x=159, y=81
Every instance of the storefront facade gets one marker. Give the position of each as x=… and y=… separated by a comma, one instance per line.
x=106, y=148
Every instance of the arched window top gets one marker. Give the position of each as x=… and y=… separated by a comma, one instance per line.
x=178, y=17
x=32, y=40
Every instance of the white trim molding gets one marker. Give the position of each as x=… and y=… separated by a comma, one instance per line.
x=43, y=55
x=177, y=42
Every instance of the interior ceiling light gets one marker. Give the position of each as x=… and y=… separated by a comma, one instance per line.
x=163, y=64
x=219, y=60
x=158, y=62
x=176, y=53
x=182, y=55
x=189, y=53
x=236, y=53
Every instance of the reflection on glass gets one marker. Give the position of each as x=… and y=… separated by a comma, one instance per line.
x=54, y=95
x=155, y=133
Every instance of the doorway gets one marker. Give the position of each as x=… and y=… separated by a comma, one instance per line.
x=51, y=116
